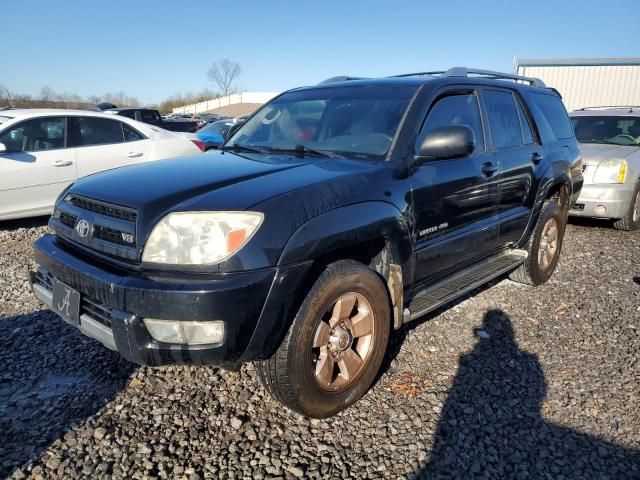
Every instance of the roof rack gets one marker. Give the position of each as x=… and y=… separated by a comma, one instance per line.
x=611, y=107
x=466, y=72
x=341, y=78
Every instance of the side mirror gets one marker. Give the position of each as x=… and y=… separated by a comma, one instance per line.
x=3, y=148
x=452, y=141
x=231, y=131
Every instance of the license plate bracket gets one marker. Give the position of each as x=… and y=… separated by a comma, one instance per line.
x=66, y=302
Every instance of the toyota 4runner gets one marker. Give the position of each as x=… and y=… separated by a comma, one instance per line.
x=332, y=216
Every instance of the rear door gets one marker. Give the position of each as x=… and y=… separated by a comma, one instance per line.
x=455, y=200
x=36, y=167
x=519, y=153
x=105, y=143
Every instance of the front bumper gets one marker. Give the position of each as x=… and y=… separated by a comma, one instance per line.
x=603, y=201
x=255, y=306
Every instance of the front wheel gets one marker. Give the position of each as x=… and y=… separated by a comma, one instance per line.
x=335, y=345
x=631, y=221
x=543, y=247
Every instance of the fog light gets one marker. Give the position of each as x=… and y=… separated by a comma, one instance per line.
x=601, y=209
x=186, y=333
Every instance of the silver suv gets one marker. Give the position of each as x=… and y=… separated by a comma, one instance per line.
x=610, y=142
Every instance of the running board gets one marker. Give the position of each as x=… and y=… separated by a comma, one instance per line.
x=458, y=284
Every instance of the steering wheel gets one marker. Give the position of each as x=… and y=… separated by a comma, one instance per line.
x=625, y=136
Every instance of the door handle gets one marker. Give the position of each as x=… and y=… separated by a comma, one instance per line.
x=62, y=163
x=536, y=157
x=489, y=169
x=134, y=154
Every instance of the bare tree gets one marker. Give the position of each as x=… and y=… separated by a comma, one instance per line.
x=47, y=94
x=6, y=96
x=223, y=73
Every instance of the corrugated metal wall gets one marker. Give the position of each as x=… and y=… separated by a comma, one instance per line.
x=590, y=86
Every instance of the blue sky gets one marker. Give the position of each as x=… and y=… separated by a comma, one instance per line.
x=154, y=48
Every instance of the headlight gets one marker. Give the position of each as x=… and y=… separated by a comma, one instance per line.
x=199, y=238
x=611, y=171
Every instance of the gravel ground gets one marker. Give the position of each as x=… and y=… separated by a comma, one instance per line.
x=512, y=382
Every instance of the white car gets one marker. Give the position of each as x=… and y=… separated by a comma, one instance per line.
x=44, y=150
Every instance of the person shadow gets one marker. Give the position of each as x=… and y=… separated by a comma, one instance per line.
x=491, y=425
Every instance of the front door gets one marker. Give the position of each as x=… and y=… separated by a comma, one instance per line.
x=454, y=200
x=35, y=167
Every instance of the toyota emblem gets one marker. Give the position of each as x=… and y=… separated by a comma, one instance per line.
x=83, y=227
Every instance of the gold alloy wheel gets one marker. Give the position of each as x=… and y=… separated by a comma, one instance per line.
x=343, y=341
x=548, y=244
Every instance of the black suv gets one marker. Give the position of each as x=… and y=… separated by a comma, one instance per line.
x=332, y=216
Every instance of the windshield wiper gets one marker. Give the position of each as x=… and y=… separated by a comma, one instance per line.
x=303, y=150
x=236, y=147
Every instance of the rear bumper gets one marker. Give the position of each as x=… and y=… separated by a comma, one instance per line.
x=603, y=201
x=255, y=306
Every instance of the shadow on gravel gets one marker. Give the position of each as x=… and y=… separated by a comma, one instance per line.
x=52, y=378
x=491, y=425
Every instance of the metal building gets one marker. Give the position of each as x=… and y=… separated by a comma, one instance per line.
x=587, y=82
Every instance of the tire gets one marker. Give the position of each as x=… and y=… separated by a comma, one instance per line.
x=536, y=271
x=631, y=221
x=298, y=374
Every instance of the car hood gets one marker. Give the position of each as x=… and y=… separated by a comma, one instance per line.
x=221, y=181
x=593, y=153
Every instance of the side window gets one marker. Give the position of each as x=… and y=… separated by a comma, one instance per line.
x=459, y=109
x=35, y=135
x=149, y=116
x=99, y=131
x=128, y=113
x=527, y=133
x=131, y=134
x=503, y=119
x=555, y=113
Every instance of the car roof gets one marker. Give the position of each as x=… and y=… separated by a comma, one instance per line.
x=421, y=79
x=48, y=112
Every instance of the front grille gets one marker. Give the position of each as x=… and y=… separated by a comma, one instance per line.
x=111, y=235
x=68, y=219
x=112, y=228
x=103, y=208
x=88, y=306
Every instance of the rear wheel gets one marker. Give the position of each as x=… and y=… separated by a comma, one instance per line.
x=335, y=346
x=631, y=221
x=543, y=247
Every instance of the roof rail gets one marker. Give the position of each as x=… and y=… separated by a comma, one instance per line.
x=611, y=107
x=340, y=78
x=466, y=72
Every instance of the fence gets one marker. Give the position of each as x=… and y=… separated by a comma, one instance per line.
x=244, y=97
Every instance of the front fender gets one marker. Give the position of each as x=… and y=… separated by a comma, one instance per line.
x=347, y=226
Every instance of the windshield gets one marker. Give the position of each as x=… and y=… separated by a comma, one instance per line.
x=358, y=121
x=611, y=130
x=217, y=127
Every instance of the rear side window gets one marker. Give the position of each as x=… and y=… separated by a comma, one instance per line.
x=99, y=131
x=149, y=116
x=527, y=133
x=131, y=134
x=460, y=109
x=35, y=135
x=503, y=119
x=555, y=113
